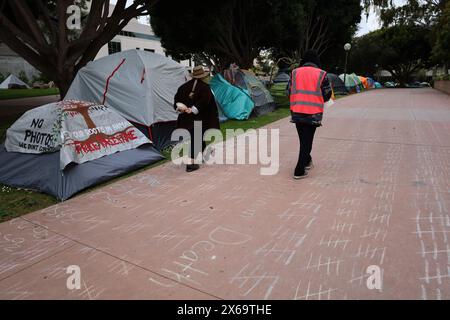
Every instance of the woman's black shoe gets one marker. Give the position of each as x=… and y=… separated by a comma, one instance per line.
x=192, y=167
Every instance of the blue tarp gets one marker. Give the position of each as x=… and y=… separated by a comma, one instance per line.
x=41, y=171
x=234, y=103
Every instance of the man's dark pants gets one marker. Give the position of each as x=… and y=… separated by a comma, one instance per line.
x=306, y=135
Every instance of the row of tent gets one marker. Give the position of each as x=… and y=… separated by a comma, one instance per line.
x=117, y=116
x=356, y=84
x=353, y=83
x=240, y=94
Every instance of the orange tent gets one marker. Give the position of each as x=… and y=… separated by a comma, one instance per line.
x=365, y=82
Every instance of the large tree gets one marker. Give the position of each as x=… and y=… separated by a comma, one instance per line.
x=236, y=30
x=417, y=12
x=441, y=48
x=327, y=26
x=38, y=31
x=402, y=50
x=432, y=14
x=225, y=31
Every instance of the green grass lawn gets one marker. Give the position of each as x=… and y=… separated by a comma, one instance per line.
x=26, y=93
x=16, y=202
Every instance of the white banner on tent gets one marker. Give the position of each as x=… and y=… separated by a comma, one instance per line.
x=34, y=132
x=83, y=131
x=91, y=131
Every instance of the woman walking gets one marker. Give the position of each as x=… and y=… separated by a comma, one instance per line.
x=195, y=102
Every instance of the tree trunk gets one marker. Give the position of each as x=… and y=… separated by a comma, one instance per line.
x=63, y=82
x=41, y=37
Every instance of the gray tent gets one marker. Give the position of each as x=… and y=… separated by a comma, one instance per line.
x=41, y=172
x=139, y=85
x=246, y=80
x=64, y=147
x=337, y=84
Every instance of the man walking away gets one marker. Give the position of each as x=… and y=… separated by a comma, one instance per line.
x=309, y=90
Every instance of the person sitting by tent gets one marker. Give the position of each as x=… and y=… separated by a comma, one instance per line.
x=195, y=102
x=309, y=90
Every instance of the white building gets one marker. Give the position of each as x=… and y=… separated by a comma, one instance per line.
x=135, y=35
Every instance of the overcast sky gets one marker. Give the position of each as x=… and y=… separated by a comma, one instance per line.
x=372, y=23
x=368, y=24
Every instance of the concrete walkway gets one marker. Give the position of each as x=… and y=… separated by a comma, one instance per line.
x=379, y=196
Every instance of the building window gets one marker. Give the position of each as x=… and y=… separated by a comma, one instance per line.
x=150, y=50
x=138, y=35
x=114, y=47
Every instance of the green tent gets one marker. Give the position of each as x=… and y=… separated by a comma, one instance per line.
x=247, y=81
x=233, y=102
x=352, y=82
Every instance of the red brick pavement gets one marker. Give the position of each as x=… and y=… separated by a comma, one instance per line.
x=378, y=196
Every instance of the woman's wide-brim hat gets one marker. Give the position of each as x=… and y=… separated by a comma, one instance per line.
x=199, y=72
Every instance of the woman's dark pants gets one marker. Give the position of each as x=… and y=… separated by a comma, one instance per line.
x=201, y=144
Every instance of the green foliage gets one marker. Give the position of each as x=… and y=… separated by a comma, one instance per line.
x=15, y=202
x=17, y=94
x=227, y=31
x=326, y=27
x=236, y=31
x=441, y=48
x=410, y=12
x=402, y=50
x=342, y=17
x=23, y=76
x=264, y=63
x=443, y=77
x=40, y=77
x=433, y=14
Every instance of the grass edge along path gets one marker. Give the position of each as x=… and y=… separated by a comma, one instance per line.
x=7, y=94
x=15, y=202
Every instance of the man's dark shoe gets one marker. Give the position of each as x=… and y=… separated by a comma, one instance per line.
x=192, y=167
x=301, y=176
x=310, y=166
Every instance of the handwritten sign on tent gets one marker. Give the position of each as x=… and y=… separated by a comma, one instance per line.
x=82, y=131
x=34, y=132
x=90, y=131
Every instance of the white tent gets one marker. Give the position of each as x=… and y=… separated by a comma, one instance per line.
x=139, y=85
x=81, y=131
x=62, y=148
x=12, y=79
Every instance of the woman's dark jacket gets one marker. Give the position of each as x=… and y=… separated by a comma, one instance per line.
x=203, y=100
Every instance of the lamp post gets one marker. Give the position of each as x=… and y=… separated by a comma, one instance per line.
x=377, y=73
x=347, y=48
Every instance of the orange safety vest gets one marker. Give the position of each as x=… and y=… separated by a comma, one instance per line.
x=306, y=92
